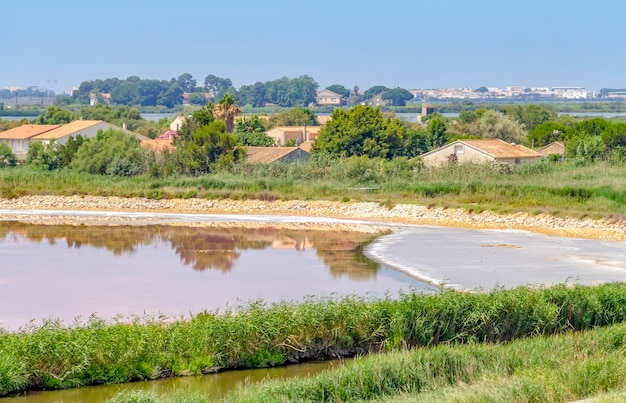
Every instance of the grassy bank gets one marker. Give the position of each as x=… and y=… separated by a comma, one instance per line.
x=542, y=369
x=258, y=335
x=595, y=191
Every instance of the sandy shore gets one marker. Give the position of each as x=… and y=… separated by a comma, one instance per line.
x=21, y=209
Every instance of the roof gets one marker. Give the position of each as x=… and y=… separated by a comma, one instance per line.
x=556, y=147
x=306, y=146
x=26, y=131
x=327, y=93
x=68, y=129
x=495, y=148
x=299, y=129
x=498, y=148
x=269, y=154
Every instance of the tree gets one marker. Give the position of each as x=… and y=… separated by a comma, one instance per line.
x=437, y=128
x=111, y=152
x=251, y=124
x=44, y=156
x=7, y=158
x=293, y=117
x=208, y=147
x=397, y=96
x=481, y=89
x=186, y=82
x=361, y=131
x=226, y=109
x=217, y=85
x=171, y=97
x=547, y=132
x=494, y=125
x=254, y=139
x=55, y=116
x=377, y=89
x=197, y=98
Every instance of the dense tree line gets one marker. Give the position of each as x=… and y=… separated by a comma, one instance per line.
x=283, y=92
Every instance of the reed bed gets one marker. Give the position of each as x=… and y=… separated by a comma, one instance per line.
x=54, y=355
x=541, y=369
x=559, y=189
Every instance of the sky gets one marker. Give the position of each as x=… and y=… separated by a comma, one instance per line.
x=408, y=44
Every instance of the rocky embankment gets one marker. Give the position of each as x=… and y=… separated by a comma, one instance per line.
x=368, y=211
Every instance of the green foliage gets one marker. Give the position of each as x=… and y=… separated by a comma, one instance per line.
x=293, y=117
x=261, y=334
x=547, y=132
x=7, y=158
x=197, y=98
x=43, y=156
x=361, y=131
x=397, y=96
x=437, y=128
x=206, y=146
x=543, y=369
x=56, y=115
x=249, y=124
x=254, y=139
x=375, y=90
x=110, y=153
x=530, y=116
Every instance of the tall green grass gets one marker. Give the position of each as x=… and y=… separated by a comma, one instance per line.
x=556, y=188
x=542, y=369
x=262, y=335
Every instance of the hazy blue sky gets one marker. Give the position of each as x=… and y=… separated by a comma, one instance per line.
x=410, y=44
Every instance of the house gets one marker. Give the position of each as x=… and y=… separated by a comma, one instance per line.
x=19, y=137
x=267, y=155
x=554, y=148
x=177, y=123
x=85, y=128
x=481, y=151
x=327, y=97
x=300, y=134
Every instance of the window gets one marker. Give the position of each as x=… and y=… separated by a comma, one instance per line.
x=518, y=160
x=458, y=149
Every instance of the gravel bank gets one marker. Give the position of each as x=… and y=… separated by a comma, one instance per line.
x=402, y=213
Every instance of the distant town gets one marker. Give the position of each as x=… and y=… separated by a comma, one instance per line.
x=335, y=95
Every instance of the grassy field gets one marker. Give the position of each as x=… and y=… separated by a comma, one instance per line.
x=560, y=189
x=53, y=356
x=560, y=368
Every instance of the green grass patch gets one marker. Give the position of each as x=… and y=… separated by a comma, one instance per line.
x=257, y=334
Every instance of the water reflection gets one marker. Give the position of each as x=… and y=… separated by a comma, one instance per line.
x=66, y=271
x=204, y=248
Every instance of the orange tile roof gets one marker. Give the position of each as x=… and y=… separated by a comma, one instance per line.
x=26, y=131
x=500, y=149
x=69, y=128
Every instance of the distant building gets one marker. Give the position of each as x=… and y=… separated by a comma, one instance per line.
x=554, y=148
x=327, y=97
x=569, y=92
x=19, y=138
x=267, y=155
x=300, y=134
x=481, y=151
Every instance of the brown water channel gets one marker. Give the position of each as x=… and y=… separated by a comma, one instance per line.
x=214, y=386
x=71, y=272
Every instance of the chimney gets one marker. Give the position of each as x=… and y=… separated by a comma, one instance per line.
x=124, y=125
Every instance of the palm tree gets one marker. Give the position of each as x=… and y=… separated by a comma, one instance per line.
x=226, y=109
